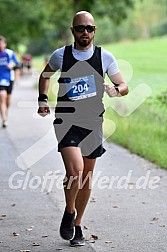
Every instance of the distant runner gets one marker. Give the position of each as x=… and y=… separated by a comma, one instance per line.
x=8, y=61
x=27, y=63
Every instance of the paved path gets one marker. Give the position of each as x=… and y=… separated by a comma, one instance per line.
x=120, y=217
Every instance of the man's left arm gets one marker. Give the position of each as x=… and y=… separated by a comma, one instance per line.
x=16, y=61
x=119, y=87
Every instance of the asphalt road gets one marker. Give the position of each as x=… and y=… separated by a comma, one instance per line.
x=127, y=210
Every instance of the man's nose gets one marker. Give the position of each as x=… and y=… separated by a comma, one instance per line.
x=85, y=31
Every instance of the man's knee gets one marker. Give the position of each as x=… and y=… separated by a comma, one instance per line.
x=73, y=177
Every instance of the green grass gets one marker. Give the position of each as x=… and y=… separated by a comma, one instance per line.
x=148, y=60
x=144, y=131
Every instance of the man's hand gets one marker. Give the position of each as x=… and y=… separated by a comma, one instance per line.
x=111, y=90
x=9, y=66
x=44, y=109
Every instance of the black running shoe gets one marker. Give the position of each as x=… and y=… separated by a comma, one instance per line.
x=78, y=239
x=67, y=226
x=4, y=124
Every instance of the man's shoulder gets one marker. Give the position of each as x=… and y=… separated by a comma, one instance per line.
x=56, y=58
x=59, y=51
x=107, y=55
x=9, y=51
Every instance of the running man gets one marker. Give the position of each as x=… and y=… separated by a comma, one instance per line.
x=79, y=114
x=7, y=61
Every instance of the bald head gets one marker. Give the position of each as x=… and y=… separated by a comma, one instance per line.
x=83, y=30
x=83, y=17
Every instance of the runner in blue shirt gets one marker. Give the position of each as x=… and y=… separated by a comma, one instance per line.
x=8, y=60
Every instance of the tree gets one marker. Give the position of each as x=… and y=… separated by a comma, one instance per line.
x=116, y=10
x=62, y=11
x=22, y=21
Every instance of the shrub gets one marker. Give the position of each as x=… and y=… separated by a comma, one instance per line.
x=162, y=98
x=160, y=30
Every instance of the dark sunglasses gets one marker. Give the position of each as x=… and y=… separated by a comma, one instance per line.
x=81, y=28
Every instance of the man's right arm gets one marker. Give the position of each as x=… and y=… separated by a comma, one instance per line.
x=44, y=81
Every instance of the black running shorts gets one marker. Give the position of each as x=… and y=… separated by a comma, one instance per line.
x=90, y=141
x=8, y=89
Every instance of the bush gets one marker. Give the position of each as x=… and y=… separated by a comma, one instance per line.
x=162, y=98
x=159, y=30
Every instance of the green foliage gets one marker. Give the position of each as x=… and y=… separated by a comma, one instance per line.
x=162, y=98
x=114, y=9
x=44, y=25
x=83, y=5
x=147, y=18
x=21, y=19
x=160, y=29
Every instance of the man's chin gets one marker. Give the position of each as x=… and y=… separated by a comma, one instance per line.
x=84, y=43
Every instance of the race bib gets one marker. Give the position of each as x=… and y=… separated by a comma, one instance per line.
x=81, y=87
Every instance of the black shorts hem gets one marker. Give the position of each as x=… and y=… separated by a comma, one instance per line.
x=95, y=154
x=61, y=146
